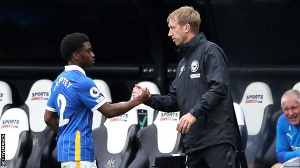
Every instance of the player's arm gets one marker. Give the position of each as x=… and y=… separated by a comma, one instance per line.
x=51, y=119
x=116, y=109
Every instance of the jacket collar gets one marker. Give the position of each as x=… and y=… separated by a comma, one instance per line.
x=74, y=67
x=186, y=49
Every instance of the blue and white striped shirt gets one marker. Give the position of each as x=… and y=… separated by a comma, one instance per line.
x=75, y=97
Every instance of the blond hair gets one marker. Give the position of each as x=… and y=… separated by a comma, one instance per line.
x=187, y=15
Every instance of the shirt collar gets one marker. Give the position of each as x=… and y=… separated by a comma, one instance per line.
x=74, y=67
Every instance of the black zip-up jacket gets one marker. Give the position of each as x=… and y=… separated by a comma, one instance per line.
x=202, y=88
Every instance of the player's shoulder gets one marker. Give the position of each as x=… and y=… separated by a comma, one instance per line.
x=84, y=81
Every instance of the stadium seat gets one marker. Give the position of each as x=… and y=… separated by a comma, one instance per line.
x=297, y=86
x=257, y=104
x=239, y=113
x=15, y=138
x=147, y=114
x=114, y=142
x=241, y=160
x=160, y=139
x=98, y=118
x=43, y=138
x=5, y=97
x=117, y=145
x=266, y=155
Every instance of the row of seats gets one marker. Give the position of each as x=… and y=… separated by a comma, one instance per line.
x=134, y=139
x=129, y=140
x=28, y=139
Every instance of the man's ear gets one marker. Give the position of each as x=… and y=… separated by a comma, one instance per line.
x=75, y=56
x=187, y=28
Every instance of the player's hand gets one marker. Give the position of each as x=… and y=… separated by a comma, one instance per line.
x=185, y=123
x=136, y=91
x=140, y=93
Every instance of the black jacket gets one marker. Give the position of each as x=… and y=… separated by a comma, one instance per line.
x=202, y=88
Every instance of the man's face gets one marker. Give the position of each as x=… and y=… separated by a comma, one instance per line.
x=176, y=32
x=291, y=110
x=87, y=57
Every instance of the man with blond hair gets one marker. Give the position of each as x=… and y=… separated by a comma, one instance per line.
x=201, y=91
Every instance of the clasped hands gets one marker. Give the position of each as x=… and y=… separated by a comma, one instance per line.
x=141, y=93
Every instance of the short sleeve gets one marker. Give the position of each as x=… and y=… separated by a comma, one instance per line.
x=51, y=103
x=89, y=94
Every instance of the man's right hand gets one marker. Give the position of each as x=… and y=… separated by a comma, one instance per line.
x=140, y=93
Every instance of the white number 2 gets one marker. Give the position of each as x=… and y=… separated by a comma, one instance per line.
x=62, y=103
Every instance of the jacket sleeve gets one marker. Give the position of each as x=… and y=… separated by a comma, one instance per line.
x=166, y=103
x=217, y=78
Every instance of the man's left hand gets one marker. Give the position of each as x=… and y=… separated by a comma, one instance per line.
x=185, y=123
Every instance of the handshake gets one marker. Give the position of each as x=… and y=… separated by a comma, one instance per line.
x=140, y=93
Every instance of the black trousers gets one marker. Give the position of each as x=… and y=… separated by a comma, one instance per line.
x=218, y=156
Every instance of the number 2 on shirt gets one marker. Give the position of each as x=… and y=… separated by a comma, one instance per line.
x=62, y=103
